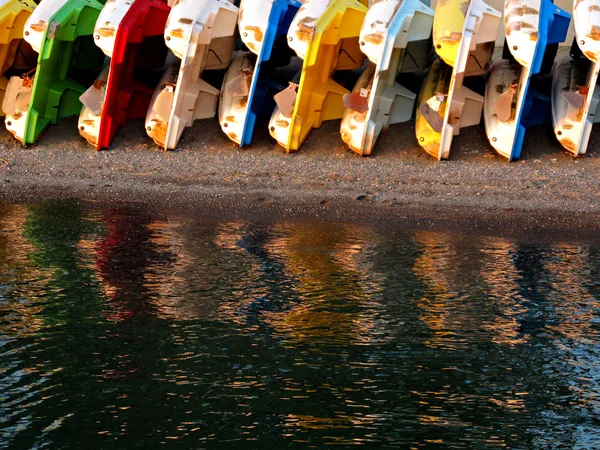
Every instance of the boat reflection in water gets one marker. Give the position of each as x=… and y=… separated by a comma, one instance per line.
x=133, y=327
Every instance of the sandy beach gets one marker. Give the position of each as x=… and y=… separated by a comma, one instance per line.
x=547, y=190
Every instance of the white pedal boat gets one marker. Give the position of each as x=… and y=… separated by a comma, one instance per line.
x=575, y=92
x=464, y=36
x=17, y=99
x=395, y=37
x=201, y=35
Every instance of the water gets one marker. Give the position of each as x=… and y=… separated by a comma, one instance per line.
x=133, y=328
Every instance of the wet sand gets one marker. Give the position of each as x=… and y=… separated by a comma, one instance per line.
x=548, y=190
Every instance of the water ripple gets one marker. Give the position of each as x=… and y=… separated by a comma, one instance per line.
x=135, y=328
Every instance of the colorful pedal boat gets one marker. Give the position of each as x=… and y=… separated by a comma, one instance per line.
x=324, y=34
x=575, y=92
x=511, y=105
x=464, y=36
x=131, y=34
x=249, y=85
x=201, y=35
x=16, y=55
x=61, y=31
x=395, y=37
x=575, y=100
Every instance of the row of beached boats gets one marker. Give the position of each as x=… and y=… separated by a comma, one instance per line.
x=96, y=58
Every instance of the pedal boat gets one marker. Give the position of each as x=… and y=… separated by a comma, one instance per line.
x=131, y=35
x=16, y=55
x=464, y=36
x=249, y=86
x=201, y=35
x=533, y=30
x=575, y=92
x=61, y=32
x=324, y=34
x=395, y=36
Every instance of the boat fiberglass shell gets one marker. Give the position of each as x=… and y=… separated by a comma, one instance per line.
x=395, y=37
x=511, y=105
x=131, y=35
x=575, y=98
x=61, y=31
x=249, y=85
x=464, y=36
x=15, y=53
x=201, y=35
x=575, y=92
x=324, y=33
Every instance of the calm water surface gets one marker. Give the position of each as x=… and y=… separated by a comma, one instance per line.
x=129, y=328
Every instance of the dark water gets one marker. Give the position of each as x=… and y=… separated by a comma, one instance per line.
x=129, y=328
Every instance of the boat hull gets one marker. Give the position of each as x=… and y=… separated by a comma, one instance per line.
x=325, y=35
x=464, y=35
x=62, y=32
x=395, y=37
x=575, y=91
x=249, y=85
x=131, y=35
x=201, y=35
x=16, y=55
x=533, y=30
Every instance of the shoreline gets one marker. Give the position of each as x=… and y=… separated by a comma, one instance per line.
x=399, y=185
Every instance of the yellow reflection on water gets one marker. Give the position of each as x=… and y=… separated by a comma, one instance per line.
x=569, y=274
x=444, y=270
x=330, y=284
x=27, y=280
x=305, y=423
x=501, y=277
x=575, y=311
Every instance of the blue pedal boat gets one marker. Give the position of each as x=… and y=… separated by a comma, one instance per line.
x=534, y=28
x=249, y=85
